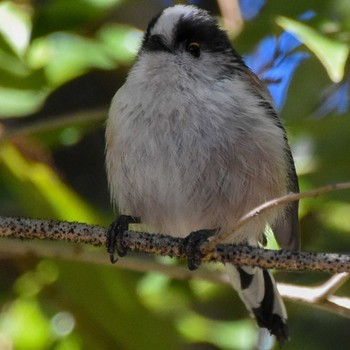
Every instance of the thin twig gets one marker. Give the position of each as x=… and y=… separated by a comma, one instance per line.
x=330, y=286
x=52, y=123
x=273, y=203
x=170, y=246
x=309, y=296
x=232, y=16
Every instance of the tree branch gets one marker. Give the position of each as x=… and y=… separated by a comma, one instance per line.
x=323, y=292
x=310, y=296
x=29, y=229
x=232, y=16
x=83, y=117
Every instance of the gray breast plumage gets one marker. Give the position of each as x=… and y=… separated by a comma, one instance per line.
x=189, y=156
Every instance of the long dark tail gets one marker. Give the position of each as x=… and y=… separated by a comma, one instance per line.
x=258, y=291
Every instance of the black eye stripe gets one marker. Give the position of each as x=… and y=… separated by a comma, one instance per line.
x=156, y=42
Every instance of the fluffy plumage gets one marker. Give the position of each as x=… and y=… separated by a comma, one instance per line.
x=194, y=142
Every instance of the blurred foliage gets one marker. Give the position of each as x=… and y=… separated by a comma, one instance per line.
x=61, y=61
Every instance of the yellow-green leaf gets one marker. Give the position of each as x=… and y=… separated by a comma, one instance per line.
x=66, y=204
x=332, y=53
x=15, y=26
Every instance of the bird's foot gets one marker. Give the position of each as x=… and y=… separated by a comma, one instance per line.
x=115, y=234
x=193, y=243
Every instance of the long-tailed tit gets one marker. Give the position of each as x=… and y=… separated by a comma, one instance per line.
x=194, y=143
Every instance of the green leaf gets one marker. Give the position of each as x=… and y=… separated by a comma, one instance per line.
x=106, y=307
x=335, y=216
x=64, y=202
x=15, y=26
x=103, y=3
x=332, y=53
x=225, y=335
x=65, y=56
x=16, y=102
x=121, y=41
x=67, y=15
x=26, y=325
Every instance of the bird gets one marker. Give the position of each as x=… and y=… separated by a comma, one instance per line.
x=194, y=142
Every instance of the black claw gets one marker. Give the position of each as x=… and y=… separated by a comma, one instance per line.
x=112, y=258
x=193, y=243
x=115, y=234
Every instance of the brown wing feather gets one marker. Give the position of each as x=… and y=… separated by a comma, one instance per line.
x=286, y=229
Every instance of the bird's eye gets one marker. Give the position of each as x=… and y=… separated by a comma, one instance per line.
x=194, y=49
